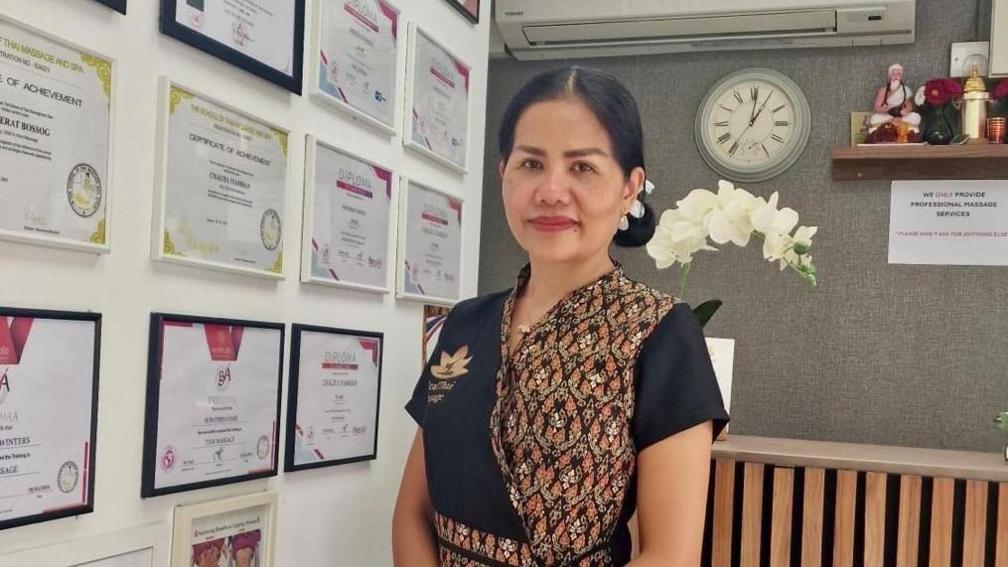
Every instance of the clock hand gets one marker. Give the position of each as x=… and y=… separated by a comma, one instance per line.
x=760, y=111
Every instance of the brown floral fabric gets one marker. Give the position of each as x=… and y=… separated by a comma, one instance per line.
x=456, y=538
x=561, y=428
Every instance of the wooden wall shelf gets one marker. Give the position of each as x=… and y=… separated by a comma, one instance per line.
x=970, y=161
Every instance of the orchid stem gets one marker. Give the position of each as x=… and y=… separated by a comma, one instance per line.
x=681, y=280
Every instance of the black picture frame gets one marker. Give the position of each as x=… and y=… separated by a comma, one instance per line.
x=88, y=506
x=117, y=5
x=292, y=395
x=152, y=408
x=170, y=27
x=460, y=8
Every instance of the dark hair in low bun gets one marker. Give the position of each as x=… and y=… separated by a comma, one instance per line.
x=613, y=106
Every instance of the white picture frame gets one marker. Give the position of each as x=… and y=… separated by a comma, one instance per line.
x=160, y=246
x=411, y=94
x=192, y=524
x=318, y=93
x=404, y=289
x=312, y=145
x=99, y=243
x=101, y=550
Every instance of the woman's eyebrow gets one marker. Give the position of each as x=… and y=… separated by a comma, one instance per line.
x=582, y=152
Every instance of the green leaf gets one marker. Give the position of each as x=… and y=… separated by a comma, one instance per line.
x=706, y=310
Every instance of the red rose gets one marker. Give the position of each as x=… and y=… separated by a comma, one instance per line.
x=935, y=92
x=953, y=88
x=1001, y=90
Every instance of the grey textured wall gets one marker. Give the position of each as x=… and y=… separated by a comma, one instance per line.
x=889, y=354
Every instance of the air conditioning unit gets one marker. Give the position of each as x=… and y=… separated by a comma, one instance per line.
x=557, y=29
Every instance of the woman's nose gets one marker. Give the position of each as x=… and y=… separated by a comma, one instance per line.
x=554, y=188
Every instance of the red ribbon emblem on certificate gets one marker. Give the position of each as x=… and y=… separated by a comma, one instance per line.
x=223, y=341
x=13, y=336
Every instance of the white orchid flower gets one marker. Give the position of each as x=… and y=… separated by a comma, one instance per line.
x=697, y=205
x=767, y=219
x=730, y=220
x=803, y=238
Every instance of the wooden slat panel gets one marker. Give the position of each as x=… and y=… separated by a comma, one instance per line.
x=874, y=526
x=724, y=495
x=780, y=531
x=941, y=522
x=752, y=514
x=815, y=481
x=908, y=533
x=1001, y=557
x=843, y=529
x=975, y=524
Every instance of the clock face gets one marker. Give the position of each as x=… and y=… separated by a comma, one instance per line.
x=752, y=125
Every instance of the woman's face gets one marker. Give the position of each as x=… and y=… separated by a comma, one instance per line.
x=564, y=192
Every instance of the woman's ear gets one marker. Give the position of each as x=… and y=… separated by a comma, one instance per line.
x=633, y=186
x=500, y=168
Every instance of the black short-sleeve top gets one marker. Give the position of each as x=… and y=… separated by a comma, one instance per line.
x=531, y=454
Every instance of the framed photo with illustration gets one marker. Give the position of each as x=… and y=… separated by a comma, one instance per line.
x=468, y=8
x=265, y=39
x=239, y=532
x=213, y=402
x=332, y=405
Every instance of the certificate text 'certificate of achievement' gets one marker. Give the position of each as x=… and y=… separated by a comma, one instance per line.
x=350, y=220
x=48, y=405
x=54, y=140
x=264, y=38
x=357, y=49
x=224, y=189
x=438, y=96
x=958, y=223
x=335, y=379
x=430, y=246
x=212, y=402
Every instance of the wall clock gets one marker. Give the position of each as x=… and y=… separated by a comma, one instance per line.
x=752, y=125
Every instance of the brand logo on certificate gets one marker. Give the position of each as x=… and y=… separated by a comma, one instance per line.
x=4, y=386
x=263, y=447
x=223, y=378
x=168, y=459
x=67, y=477
x=270, y=229
x=84, y=190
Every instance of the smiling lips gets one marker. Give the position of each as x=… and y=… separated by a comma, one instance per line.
x=552, y=223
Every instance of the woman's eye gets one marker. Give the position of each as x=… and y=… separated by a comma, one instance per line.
x=582, y=167
x=531, y=164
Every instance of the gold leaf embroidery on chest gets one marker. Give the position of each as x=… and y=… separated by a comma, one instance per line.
x=446, y=372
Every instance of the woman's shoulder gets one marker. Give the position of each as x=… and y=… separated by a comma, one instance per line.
x=479, y=307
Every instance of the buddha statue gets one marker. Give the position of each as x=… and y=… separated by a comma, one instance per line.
x=894, y=103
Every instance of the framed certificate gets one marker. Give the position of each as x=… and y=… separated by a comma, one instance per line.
x=429, y=262
x=332, y=403
x=140, y=546
x=468, y=8
x=213, y=402
x=235, y=532
x=437, y=96
x=55, y=143
x=48, y=414
x=356, y=46
x=266, y=39
x=117, y=5
x=348, y=220
x=222, y=186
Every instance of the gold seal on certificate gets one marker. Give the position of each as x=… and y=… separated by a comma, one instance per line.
x=55, y=102
x=213, y=402
x=437, y=97
x=335, y=380
x=265, y=38
x=357, y=47
x=222, y=193
x=348, y=219
x=48, y=401
x=430, y=248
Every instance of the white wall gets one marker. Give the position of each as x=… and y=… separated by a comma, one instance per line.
x=333, y=516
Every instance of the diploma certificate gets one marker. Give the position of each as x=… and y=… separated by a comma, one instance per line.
x=48, y=405
x=349, y=208
x=54, y=141
x=357, y=54
x=438, y=99
x=430, y=246
x=212, y=402
x=333, y=397
x=265, y=38
x=223, y=194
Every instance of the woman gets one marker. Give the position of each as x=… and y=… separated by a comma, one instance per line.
x=551, y=411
